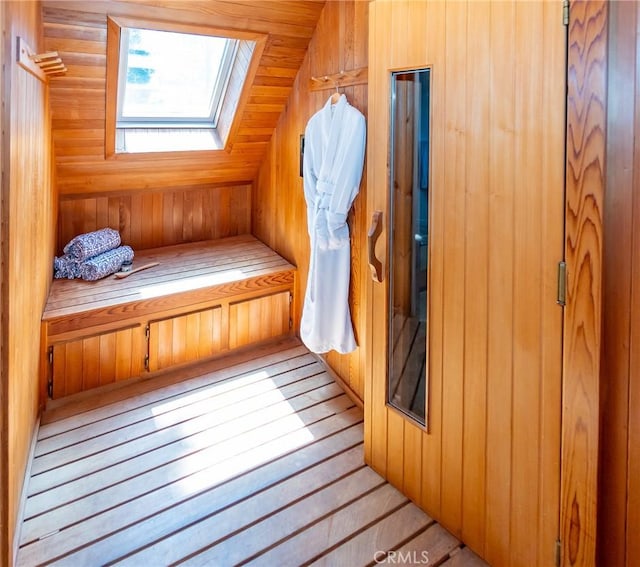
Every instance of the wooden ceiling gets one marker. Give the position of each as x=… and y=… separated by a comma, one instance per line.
x=77, y=30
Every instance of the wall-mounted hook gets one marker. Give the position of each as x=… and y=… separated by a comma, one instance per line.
x=39, y=64
x=342, y=79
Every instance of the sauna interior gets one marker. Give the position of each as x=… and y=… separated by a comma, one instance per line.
x=494, y=254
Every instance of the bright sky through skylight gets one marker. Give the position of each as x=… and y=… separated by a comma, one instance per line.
x=171, y=75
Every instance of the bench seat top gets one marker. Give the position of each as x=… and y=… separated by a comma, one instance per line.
x=186, y=274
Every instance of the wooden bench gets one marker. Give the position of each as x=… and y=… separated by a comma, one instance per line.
x=203, y=299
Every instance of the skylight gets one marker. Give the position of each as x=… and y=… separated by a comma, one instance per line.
x=175, y=87
x=172, y=79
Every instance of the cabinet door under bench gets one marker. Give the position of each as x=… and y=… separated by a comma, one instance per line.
x=258, y=319
x=96, y=360
x=185, y=338
x=202, y=334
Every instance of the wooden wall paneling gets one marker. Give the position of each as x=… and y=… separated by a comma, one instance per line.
x=374, y=453
x=396, y=425
x=353, y=21
x=432, y=444
x=5, y=86
x=375, y=422
x=411, y=453
x=618, y=472
x=325, y=58
x=586, y=114
x=160, y=218
x=527, y=279
x=502, y=177
x=278, y=207
x=28, y=208
x=357, y=30
x=552, y=230
x=79, y=33
x=476, y=268
x=453, y=269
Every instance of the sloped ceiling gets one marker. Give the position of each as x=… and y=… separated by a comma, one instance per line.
x=77, y=30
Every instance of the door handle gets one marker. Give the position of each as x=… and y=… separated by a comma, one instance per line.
x=374, y=232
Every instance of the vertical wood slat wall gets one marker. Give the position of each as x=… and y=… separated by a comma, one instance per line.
x=278, y=207
x=619, y=466
x=159, y=218
x=490, y=461
x=28, y=216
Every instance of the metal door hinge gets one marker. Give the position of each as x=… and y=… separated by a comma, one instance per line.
x=50, y=378
x=562, y=283
x=290, y=307
x=565, y=12
x=558, y=552
x=146, y=362
x=147, y=331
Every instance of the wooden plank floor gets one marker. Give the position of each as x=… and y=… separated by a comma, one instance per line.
x=255, y=459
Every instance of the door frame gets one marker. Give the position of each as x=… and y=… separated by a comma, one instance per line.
x=584, y=201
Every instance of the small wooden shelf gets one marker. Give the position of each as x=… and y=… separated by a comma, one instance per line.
x=40, y=65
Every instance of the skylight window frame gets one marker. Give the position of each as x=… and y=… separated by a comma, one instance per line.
x=244, y=67
x=217, y=95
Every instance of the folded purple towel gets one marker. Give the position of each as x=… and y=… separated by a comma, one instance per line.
x=85, y=246
x=66, y=267
x=106, y=263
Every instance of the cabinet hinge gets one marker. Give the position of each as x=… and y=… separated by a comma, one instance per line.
x=147, y=334
x=565, y=12
x=50, y=377
x=562, y=283
x=290, y=304
x=558, y=552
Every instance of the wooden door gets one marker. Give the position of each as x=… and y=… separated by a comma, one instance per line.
x=488, y=465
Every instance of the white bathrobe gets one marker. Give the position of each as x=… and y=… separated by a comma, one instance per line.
x=333, y=160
